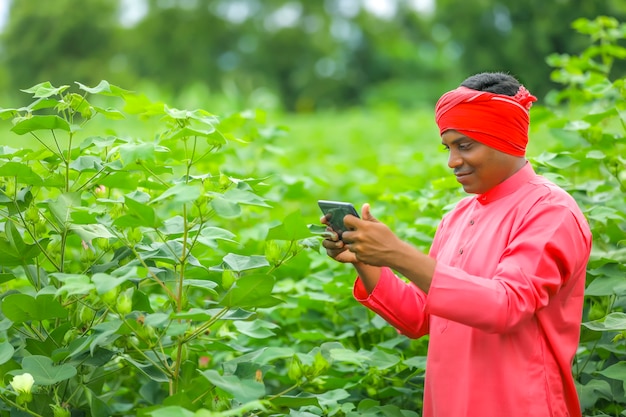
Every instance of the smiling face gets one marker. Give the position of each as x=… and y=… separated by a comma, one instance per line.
x=478, y=168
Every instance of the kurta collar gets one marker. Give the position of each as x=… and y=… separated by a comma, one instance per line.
x=508, y=186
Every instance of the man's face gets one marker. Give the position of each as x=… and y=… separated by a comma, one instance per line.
x=478, y=167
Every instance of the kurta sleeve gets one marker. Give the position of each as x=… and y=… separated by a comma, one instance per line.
x=543, y=252
x=400, y=303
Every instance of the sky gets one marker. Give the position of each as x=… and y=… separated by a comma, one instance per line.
x=4, y=12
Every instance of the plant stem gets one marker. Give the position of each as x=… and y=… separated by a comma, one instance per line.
x=143, y=263
x=19, y=407
x=67, y=163
x=206, y=325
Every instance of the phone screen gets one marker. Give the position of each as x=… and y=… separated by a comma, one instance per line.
x=335, y=211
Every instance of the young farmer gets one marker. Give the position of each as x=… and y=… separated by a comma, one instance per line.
x=501, y=291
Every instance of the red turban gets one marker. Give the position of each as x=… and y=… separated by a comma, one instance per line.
x=498, y=121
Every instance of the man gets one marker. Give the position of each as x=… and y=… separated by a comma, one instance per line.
x=501, y=291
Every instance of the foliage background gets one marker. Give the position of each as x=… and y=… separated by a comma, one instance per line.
x=295, y=55
x=174, y=285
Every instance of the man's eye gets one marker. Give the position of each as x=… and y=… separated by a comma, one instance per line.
x=464, y=146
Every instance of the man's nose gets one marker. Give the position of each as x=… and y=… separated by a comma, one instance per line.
x=454, y=159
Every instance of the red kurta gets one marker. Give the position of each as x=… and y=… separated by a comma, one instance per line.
x=505, y=304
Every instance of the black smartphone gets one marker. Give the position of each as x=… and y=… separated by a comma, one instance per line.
x=335, y=211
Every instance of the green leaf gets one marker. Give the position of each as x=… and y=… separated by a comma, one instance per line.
x=87, y=232
x=133, y=152
x=8, y=113
x=202, y=284
x=594, y=390
x=140, y=104
x=14, y=238
x=349, y=356
x=240, y=196
x=615, y=321
x=295, y=403
x=383, y=360
x=210, y=235
x=226, y=209
x=170, y=252
x=45, y=89
x=6, y=277
x=98, y=407
x=23, y=172
x=198, y=314
x=86, y=163
x=45, y=372
x=187, y=132
x=21, y=308
x=241, y=390
x=110, y=113
x=73, y=284
x=200, y=115
x=607, y=285
x=40, y=123
x=595, y=118
x=560, y=161
x=251, y=291
x=180, y=193
x=10, y=255
x=577, y=125
x=241, y=263
x=595, y=154
x=416, y=362
x=257, y=329
x=43, y=103
x=6, y=352
x=103, y=334
x=616, y=371
x=149, y=370
x=228, y=205
x=62, y=207
x=604, y=213
x=105, y=282
x=171, y=411
x=293, y=227
x=105, y=89
x=139, y=214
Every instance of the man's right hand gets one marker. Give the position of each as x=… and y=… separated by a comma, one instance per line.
x=335, y=247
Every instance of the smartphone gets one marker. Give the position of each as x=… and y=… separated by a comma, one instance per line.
x=335, y=211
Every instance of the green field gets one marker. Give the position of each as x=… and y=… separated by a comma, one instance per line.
x=168, y=263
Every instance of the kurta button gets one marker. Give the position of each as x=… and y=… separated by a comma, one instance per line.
x=471, y=222
x=460, y=251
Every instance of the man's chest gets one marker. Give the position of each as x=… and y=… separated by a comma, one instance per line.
x=476, y=238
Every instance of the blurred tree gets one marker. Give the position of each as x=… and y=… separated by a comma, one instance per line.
x=60, y=41
x=310, y=54
x=517, y=36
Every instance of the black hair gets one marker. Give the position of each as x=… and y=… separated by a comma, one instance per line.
x=493, y=82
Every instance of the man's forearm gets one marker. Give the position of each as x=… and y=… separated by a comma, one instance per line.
x=415, y=265
x=368, y=274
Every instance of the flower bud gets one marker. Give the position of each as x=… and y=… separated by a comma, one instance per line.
x=228, y=279
x=320, y=364
x=273, y=252
x=134, y=235
x=110, y=297
x=295, y=369
x=59, y=411
x=32, y=214
x=100, y=191
x=203, y=362
x=124, y=303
